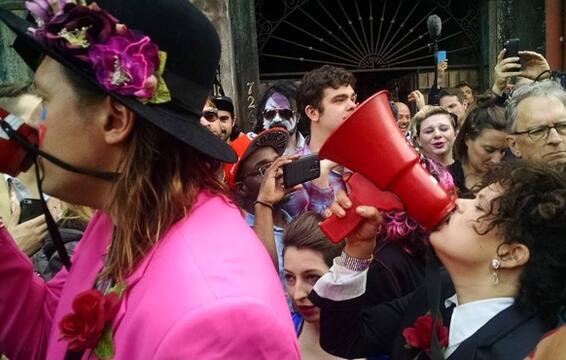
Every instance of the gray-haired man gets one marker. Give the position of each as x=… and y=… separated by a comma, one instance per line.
x=536, y=123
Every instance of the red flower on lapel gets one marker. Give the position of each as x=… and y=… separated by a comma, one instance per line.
x=419, y=336
x=84, y=327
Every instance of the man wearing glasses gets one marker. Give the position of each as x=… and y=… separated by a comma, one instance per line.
x=256, y=180
x=278, y=109
x=536, y=123
x=218, y=117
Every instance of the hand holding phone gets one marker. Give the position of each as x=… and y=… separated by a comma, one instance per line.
x=512, y=48
x=29, y=209
x=272, y=191
x=300, y=171
x=441, y=56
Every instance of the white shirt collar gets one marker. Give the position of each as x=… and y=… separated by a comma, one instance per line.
x=470, y=317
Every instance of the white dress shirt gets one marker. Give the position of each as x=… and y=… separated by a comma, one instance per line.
x=470, y=317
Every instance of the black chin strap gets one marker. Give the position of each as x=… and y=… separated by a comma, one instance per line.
x=32, y=149
x=51, y=224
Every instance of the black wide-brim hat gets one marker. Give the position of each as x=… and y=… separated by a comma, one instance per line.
x=193, y=51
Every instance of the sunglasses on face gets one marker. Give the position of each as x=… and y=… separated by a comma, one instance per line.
x=285, y=114
x=541, y=133
x=210, y=115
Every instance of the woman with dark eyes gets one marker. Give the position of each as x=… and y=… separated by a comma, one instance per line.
x=479, y=146
x=308, y=255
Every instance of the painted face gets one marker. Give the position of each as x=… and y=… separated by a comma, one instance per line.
x=437, y=135
x=210, y=119
x=303, y=268
x=532, y=113
x=404, y=117
x=486, y=150
x=26, y=106
x=278, y=113
x=453, y=106
x=68, y=131
x=457, y=242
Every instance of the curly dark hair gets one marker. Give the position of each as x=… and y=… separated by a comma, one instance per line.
x=532, y=211
x=312, y=86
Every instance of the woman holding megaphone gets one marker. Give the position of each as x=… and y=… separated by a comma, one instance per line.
x=503, y=252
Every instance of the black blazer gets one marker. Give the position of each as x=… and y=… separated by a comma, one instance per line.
x=349, y=331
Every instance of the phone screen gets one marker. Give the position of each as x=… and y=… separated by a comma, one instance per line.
x=441, y=56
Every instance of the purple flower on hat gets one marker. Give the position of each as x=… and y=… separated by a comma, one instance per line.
x=122, y=60
x=42, y=10
x=126, y=66
x=76, y=28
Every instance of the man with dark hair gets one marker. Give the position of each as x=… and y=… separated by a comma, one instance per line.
x=278, y=109
x=468, y=92
x=226, y=117
x=326, y=97
x=454, y=101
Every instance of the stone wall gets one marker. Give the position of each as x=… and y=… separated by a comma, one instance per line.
x=12, y=68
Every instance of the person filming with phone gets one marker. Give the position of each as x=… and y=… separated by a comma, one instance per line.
x=24, y=219
x=257, y=182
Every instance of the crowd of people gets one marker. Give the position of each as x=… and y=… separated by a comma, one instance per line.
x=187, y=243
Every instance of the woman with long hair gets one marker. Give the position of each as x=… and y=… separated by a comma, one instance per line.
x=167, y=268
x=479, y=146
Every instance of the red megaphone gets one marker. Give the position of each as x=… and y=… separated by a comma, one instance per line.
x=369, y=142
x=13, y=157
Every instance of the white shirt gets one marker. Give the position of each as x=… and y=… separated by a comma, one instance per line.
x=341, y=284
x=470, y=317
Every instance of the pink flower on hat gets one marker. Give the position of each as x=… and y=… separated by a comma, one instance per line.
x=126, y=66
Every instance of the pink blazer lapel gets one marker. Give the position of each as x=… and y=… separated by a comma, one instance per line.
x=87, y=263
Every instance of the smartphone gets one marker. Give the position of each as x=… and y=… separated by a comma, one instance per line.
x=441, y=56
x=304, y=169
x=512, y=47
x=30, y=209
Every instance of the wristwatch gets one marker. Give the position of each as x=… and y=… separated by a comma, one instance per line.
x=353, y=263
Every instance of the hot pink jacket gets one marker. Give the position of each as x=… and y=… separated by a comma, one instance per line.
x=208, y=290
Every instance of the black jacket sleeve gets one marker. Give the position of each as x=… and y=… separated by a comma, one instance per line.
x=348, y=330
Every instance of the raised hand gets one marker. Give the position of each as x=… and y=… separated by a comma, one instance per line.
x=361, y=242
x=418, y=98
x=504, y=69
x=534, y=64
x=28, y=235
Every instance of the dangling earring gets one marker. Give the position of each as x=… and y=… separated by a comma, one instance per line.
x=495, y=264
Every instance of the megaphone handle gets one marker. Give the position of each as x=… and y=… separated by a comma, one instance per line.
x=336, y=228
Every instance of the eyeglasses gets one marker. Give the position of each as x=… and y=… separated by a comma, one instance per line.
x=210, y=115
x=540, y=133
x=259, y=171
x=285, y=114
